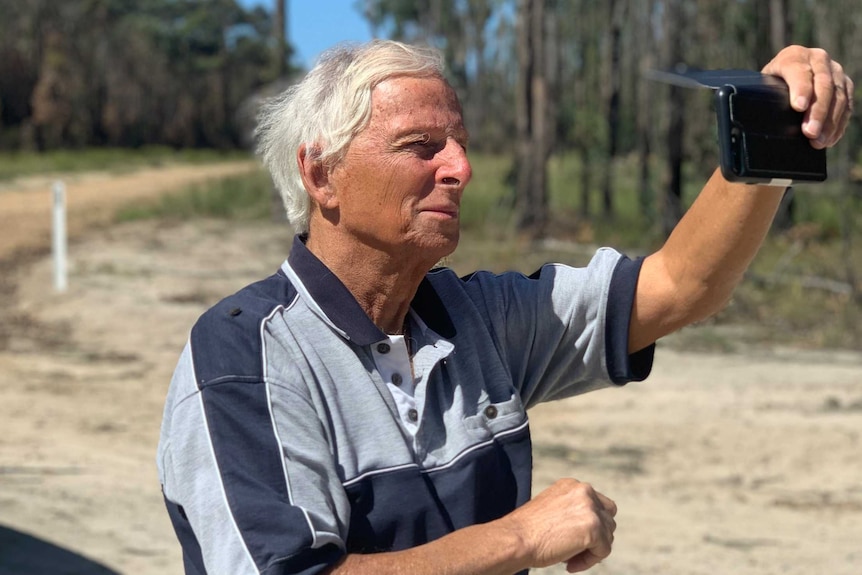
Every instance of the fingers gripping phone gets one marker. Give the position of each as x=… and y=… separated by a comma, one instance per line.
x=760, y=137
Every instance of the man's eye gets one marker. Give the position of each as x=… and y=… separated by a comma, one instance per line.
x=427, y=146
x=424, y=141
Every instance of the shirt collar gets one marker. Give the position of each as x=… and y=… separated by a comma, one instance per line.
x=342, y=309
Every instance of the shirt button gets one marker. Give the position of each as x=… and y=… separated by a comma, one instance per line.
x=412, y=415
x=396, y=378
x=383, y=347
x=490, y=412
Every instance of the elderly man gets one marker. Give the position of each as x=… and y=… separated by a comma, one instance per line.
x=362, y=412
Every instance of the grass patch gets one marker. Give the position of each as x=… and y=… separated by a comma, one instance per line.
x=21, y=164
x=245, y=197
x=797, y=291
x=485, y=204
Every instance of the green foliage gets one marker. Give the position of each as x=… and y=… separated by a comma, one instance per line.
x=124, y=73
x=476, y=39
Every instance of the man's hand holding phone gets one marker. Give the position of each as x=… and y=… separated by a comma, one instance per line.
x=819, y=89
x=760, y=136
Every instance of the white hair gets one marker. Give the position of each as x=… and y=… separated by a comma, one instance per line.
x=327, y=109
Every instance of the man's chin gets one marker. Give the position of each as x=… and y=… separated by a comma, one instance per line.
x=438, y=246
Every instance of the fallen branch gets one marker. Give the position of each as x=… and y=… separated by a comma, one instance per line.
x=807, y=282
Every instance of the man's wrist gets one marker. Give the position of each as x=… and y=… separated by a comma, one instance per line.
x=521, y=552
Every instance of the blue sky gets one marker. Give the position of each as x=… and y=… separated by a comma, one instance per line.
x=314, y=25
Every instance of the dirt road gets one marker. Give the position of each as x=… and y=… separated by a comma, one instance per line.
x=92, y=198
x=743, y=464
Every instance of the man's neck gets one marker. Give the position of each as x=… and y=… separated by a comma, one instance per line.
x=382, y=281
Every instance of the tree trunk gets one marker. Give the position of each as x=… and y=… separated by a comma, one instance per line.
x=280, y=33
x=586, y=180
x=645, y=115
x=779, y=24
x=616, y=10
x=584, y=86
x=762, y=29
x=532, y=121
x=523, y=107
x=778, y=38
x=672, y=210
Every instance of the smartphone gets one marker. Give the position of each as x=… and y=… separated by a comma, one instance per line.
x=760, y=137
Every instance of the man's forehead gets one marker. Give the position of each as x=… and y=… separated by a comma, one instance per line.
x=411, y=92
x=409, y=102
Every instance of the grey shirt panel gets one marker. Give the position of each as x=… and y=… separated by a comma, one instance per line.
x=548, y=329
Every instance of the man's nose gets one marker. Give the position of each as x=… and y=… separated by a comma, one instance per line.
x=455, y=167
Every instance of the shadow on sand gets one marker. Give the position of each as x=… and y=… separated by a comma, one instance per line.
x=22, y=554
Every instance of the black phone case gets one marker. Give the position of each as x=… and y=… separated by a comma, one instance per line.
x=760, y=137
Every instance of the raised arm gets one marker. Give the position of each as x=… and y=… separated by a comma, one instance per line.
x=694, y=274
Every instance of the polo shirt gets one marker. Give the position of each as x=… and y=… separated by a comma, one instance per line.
x=296, y=431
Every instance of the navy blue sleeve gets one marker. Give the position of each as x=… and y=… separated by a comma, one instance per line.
x=623, y=366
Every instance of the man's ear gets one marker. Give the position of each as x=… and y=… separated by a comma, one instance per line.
x=315, y=177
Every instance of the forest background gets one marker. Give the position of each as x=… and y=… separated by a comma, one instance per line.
x=572, y=145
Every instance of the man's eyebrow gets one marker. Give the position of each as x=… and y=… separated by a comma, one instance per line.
x=411, y=136
x=426, y=133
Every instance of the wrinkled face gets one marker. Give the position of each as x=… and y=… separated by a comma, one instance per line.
x=399, y=185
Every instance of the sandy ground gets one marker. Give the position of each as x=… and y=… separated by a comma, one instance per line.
x=743, y=464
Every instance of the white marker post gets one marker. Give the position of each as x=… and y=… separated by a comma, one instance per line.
x=59, y=241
